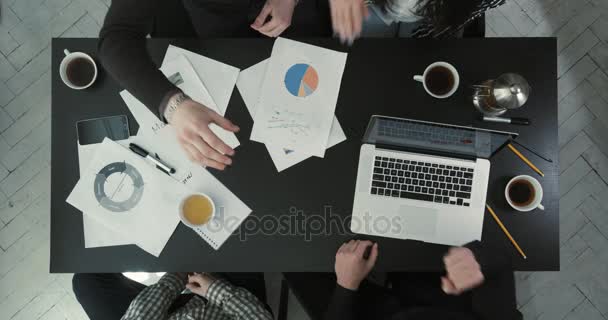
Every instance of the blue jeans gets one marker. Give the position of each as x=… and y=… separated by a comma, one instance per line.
x=375, y=27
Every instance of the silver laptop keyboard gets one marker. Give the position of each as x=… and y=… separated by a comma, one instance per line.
x=424, y=181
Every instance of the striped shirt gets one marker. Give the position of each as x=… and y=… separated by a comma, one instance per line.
x=224, y=302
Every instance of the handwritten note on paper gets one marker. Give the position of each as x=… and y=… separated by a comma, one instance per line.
x=288, y=120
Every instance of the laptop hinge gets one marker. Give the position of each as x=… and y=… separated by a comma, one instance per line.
x=426, y=151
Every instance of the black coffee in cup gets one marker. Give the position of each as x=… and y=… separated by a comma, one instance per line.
x=521, y=192
x=80, y=72
x=440, y=80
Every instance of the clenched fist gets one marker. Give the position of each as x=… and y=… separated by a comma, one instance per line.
x=280, y=12
x=351, y=265
x=463, y=271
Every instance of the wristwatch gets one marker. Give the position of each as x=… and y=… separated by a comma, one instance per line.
x=173, y=104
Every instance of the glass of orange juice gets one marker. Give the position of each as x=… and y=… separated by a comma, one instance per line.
x=196, y=210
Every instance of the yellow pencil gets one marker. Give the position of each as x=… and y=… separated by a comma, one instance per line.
x=502, y=226
x=521, y=156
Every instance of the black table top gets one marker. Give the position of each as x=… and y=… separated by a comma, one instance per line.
x=377, y=80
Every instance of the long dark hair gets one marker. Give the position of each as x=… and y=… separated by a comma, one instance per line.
x=445, y=13
x=442, y=13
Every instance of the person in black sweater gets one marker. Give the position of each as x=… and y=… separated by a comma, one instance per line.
x=123, y=53
x=476, y=285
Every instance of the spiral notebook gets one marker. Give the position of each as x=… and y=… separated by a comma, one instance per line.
x=229, y=208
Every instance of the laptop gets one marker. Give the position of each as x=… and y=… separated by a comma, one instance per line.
x=424, y=181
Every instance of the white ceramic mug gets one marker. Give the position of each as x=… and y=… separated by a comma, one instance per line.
x=538, y=194
x=186, y=221
x=63, y=67
x=422, y=78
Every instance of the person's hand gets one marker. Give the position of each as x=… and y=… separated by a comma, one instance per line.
x=281, y=12
x=463, y=271
x=191, y=121
x=199, y=283
x=351, y=265
x=347, y=18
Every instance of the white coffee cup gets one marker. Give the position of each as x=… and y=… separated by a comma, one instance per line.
x=63, y=68
x=537, y=198
x=423, y=78
x=183, y=217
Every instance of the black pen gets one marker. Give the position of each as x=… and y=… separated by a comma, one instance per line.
x=159, y=164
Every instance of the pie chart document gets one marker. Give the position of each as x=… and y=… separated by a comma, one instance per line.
x=295, y=109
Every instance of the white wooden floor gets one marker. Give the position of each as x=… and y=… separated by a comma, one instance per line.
x=579, y=291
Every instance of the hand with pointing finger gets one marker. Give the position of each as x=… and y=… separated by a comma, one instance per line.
x=280, y=12
x=463, y=271
x=191, y=121
x=351, y=265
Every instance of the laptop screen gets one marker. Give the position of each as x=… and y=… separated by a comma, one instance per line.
x=441, y=138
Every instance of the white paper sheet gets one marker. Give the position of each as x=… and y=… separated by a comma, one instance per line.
x=219, y=78
x=97, y=234
x=249, y=84
x=160, y=138
x=298, y=97
x=132, y=197
x=231, y=210
x=181, y=73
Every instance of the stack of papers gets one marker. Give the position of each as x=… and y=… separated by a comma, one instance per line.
x=211, y=83
x=292, y=98
x=125, y=194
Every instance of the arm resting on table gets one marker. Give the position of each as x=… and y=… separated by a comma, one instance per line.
x=237, y=302
x=153, y=302
x=123, y=52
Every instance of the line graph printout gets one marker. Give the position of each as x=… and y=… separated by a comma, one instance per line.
x=298, y=98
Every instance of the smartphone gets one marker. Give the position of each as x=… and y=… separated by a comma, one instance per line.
x=92, y=131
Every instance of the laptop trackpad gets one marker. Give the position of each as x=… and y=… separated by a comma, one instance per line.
x=419, y=222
